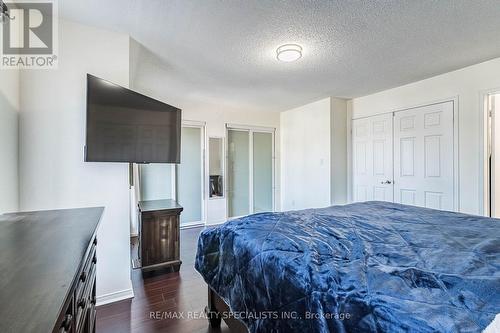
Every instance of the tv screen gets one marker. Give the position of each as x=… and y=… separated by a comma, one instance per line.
x=125, y=126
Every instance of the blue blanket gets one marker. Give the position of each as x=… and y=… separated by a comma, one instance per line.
x=363, y=267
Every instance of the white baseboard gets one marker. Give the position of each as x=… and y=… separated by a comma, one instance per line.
x=115, y=297
x=215, y=223
x=192, y=225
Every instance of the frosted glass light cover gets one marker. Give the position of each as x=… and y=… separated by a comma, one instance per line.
x=289, y=52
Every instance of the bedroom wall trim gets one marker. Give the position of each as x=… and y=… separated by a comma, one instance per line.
x=221, y=222
x=350, y=164
x=252, y=128
x=456, y=135
x=456, y=150
x=192, y=225
x=115, y=297
x=483, y=179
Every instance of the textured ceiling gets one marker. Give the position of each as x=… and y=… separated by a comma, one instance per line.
x=223, y=52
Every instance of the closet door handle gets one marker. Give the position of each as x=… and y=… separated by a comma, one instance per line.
x=387, y=182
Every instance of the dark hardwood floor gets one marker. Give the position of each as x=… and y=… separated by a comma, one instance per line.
x=162, y=295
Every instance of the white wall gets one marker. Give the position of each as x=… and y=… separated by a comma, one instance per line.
x=338, y=159
x=466, y=84
x=9, y=107
x=52, y=137
x=305, y=157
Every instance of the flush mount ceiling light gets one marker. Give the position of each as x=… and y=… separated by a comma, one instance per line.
x=289, y=52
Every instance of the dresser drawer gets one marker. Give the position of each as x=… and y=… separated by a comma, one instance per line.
x=86, y=302
x=84, y=288
x=84, y=275
x=66, y=321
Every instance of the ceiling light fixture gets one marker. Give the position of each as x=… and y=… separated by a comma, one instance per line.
x=289, y=52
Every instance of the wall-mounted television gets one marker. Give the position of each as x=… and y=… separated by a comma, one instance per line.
x=125, y=126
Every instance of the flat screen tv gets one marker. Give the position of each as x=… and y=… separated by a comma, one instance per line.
x=125, y=126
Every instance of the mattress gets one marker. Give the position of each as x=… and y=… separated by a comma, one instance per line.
x=363, y=267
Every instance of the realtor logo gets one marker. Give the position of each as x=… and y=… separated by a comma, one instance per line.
x=29, y=35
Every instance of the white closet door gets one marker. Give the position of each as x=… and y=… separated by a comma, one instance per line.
x=372, y=158
x=423, y=156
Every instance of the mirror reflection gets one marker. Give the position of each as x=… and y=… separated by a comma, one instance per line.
x=216, y=171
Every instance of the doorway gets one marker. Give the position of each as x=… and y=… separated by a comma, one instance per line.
x=250, y=170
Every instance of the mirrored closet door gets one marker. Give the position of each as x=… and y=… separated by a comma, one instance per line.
x=250, y=170
x=190, y=173
x=262, y=163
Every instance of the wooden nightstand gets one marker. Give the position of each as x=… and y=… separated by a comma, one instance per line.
x=159, y=230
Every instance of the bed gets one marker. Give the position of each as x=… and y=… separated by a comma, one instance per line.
x=362, y=267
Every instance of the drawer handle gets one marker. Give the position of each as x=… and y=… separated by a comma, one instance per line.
x=82, y=302
x=66, y=324
x=95, y=241
x=83, y=277
x=94, y=260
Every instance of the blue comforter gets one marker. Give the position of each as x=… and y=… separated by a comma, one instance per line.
x=364, y=267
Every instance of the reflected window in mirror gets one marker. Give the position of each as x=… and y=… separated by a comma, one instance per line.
x=216, y=167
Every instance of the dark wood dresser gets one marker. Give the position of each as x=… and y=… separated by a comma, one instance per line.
x=159, y=230
x=48, y=270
